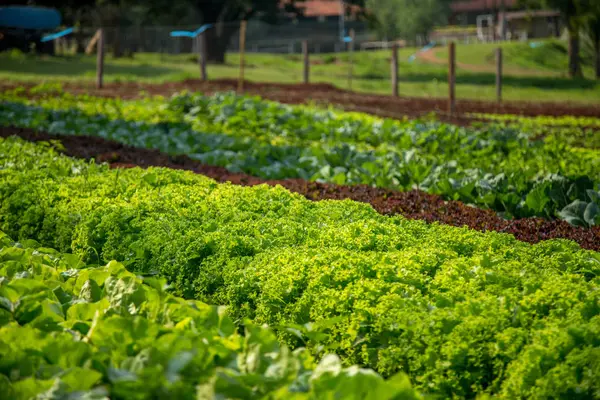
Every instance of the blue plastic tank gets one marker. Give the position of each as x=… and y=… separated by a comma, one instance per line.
x=34, y=18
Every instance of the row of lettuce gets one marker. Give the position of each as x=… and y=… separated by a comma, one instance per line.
x=572, y=130
x=570, y=121
x=494, y=167
x=75, y=331
x=462, y=313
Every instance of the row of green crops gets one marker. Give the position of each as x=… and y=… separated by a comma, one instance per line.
x=542, y=120
x=574, y=131
x=461, y=312
x=71, y=331
x=497, y=168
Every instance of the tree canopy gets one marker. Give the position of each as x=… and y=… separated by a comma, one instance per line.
x=577, y=14
x=592, y=28
x=221, y=13
x=407, y=18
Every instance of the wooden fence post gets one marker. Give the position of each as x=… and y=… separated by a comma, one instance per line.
x=202, y=55
x=395, y=69
x=242, y=50
x=452, y=77
x=351, y=51
x=306, y=60
x=499, y=75
x=100, y=59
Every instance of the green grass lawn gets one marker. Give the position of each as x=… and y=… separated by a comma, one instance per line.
x=520, y=58
x=532, y=74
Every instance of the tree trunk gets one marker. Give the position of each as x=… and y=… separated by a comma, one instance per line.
x=141, y=39
x=217, y=40
x=574, y=49
x=502, y=20
x=79, y=47
x=215, y=52
x=226, y=17
x=597, y=56
x=79, y=41
x=117, y=50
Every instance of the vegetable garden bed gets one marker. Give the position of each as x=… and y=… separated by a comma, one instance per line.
x=494, y=167
x=74, y=331
x=384, y=106
x=463, y=313
x=106, y=292
x=413, y=204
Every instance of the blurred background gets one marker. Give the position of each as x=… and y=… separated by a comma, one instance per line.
x=551, y=47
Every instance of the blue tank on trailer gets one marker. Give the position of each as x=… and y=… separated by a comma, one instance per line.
x=23, y=27
x=30, y=18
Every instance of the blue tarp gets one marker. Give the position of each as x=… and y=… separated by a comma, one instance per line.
x=57, y=35
x=191, y=34
x=36, y=18
x=346, y=38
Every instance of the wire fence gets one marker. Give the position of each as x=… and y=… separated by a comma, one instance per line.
x=323, y=37
x=332, y=56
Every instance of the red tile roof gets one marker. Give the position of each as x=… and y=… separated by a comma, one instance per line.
x=479, y=5
x=323, y=8
x=332, y=8
x=532, y=14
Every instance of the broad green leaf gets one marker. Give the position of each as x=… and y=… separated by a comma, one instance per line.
x=591, y=214
x=81, y=379
x=29, y=388
x=574, y=213
x=87, y=311
x=537, y=199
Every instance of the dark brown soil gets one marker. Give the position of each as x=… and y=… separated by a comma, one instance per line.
x=414, y=204
x=382, y=105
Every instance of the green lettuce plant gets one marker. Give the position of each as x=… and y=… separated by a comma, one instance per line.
x=462, y=313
